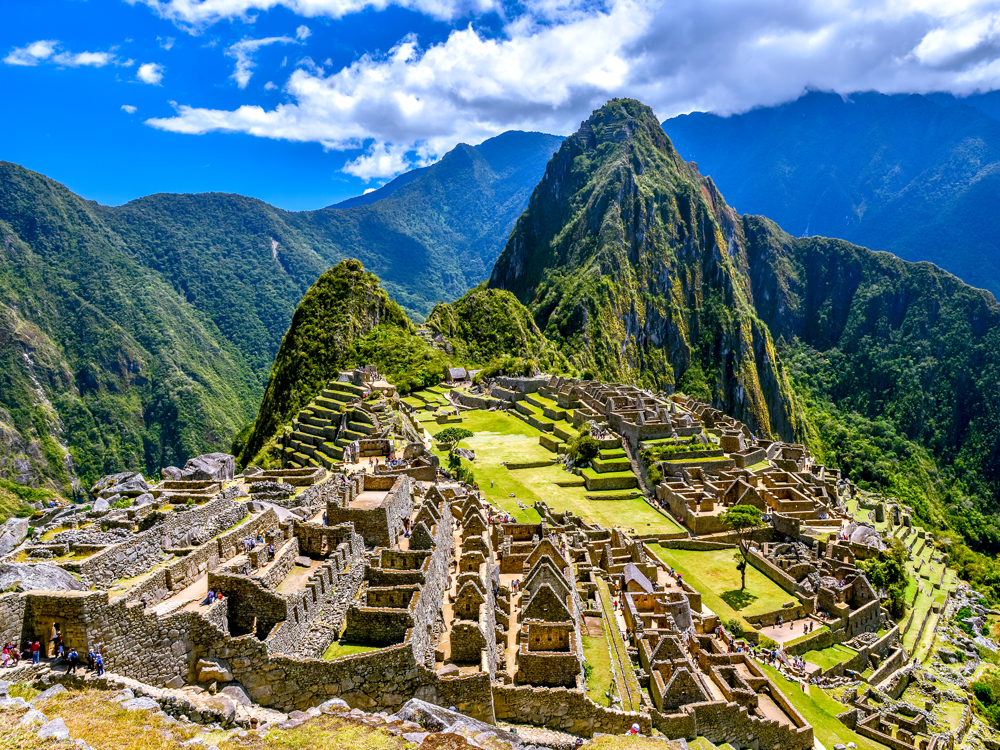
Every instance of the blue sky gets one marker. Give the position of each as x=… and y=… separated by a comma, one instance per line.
x=305, y=102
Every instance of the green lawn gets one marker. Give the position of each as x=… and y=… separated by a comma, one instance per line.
x=713, y=573
x=820, y=710
x=807, y=636
x=499, y=437
x=595, y=652
x=829, y=657
x=338, y=649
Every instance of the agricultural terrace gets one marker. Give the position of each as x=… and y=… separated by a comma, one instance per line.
x=500, y=438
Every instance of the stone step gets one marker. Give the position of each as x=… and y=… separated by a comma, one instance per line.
x=350, y=435
x=616, y=464
x=364, y=429
x=305, y=439
x=339, y=396
x=329, y=404
x=309, y=429
x=355, y=390
x=332, y=450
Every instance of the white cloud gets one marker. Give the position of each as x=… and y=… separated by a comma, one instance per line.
x=196, y=14
x=128, y=108
x=553, y=64
x=151, y=73
x=302, y=33
x=244, y=51
x=33, y=53
x=91, y=59
x=369, y=190
x=270, y=86
x=45, y=51
x=166, y=43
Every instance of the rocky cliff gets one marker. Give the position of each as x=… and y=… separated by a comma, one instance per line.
x=634, y=265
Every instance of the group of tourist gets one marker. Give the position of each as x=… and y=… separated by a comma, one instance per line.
x=213, y=597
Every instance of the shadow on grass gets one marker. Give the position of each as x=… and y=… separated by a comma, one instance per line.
x=738, y=599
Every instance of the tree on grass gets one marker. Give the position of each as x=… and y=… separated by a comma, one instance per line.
x=745, y=521
x=583, y=449
x=451, y=435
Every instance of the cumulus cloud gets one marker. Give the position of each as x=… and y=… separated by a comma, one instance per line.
x=33, y=53
x=244, y=51
x=128, y=108
x=551, y=65
x=197, y=14
x=151, y=73
x=44, y=51
x=302, y=33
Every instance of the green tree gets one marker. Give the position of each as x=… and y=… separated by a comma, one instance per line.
x=583, y=449
x=745, y=521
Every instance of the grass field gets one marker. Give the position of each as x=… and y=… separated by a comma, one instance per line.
x=338, y=649
x=714, y=575
x=595, y=652
x=820, y=710
x=829, y=657
x=500, y=437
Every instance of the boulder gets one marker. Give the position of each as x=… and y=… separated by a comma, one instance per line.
x=12, y=533
x=438, y=719
x=303, y=561
x=215, y=466
x=144, y=499
x=110, y=481
x=334, y=705
x=214, y=669
x=39, y=577
x=48, y=693
x=236, y=693
x=131, y=487
x=55, y=729
x=140, y=704
x=101, y=503
x=34, y=718
x=175, y=682
x=222, y=706
x=171, y=472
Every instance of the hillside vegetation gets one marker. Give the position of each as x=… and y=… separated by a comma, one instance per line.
x=916, y=176
x=135, y=337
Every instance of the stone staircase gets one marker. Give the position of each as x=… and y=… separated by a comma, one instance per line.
x=321, y=431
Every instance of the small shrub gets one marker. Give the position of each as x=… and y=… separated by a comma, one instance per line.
x=735, y=627
x=654, y=475
x=453, y=435
x=984, y=693
x=588, y=670
x=124, y=502
x=583, y=449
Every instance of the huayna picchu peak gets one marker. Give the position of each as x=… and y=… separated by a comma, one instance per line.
x=668, y=474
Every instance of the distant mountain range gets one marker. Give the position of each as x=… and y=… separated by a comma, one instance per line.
x=917, y=176
x=138, y=336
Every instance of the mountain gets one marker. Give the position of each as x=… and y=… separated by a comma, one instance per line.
x=134, y=337
x=916, y=176
x=383, y=192
x=633, y=265
x=632, y=262
x=485, y=325
x=103, y=366
x=345, y=319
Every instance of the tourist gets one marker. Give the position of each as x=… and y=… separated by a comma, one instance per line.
x=99, y=662
x=90, y=659
x=6, y=653
x=211, y=598
x=634, y=729
x=74, y=660
x=36, y=652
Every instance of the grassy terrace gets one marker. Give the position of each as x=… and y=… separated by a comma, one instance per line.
x=596, y=654
x=830, y=657
x=713, y=574
x=338, y=649
x=500, y=437
x=820, y=710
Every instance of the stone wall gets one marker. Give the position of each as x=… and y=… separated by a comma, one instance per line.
x=568, y=710
x=123, y=560
x=215, y=516
x=11, y=617
x=381, y=525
